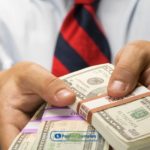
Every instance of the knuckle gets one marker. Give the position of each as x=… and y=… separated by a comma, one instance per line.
x=134, y=46
x=28, y=67
x=125, y=70
x=22, y=70
x=137, y=43
x=51, y=86
x=139, y=47
x=49, y=81
x=53, y=83
x=122, y=67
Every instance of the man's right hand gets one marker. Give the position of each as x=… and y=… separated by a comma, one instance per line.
x=22, y=89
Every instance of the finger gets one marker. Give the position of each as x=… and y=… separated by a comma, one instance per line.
x=8, y=134
x=46, y=85
x=11, y=126
x=127, y=71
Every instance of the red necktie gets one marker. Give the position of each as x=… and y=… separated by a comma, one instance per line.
x=81, y=41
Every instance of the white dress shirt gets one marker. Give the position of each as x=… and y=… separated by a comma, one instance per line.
x=29, y=28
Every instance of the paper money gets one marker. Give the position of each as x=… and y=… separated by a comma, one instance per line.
x=124, y=127
x=89, y=82
x=26, y=138
x=62, y=128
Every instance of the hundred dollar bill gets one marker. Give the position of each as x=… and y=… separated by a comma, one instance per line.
x=26, y=138
x=125, y=127
x=62, y=128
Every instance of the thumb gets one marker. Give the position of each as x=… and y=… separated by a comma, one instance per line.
x=39, y=81
x=127, y=72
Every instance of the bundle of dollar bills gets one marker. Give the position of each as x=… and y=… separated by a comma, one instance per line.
x=53, y=128
x=123, y=123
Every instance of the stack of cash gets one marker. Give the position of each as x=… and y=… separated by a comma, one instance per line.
x=123, y=123
x=125, y=127
x=58, y=129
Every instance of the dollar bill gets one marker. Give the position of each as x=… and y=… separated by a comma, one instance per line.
x=125, y=126
x=89, y=82
x=62, y=128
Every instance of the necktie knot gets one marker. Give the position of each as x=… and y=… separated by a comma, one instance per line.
x=84, y=1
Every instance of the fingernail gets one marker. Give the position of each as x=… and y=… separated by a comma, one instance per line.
x=63, y=94
x=118, y=86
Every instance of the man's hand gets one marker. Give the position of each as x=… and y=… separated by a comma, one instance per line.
x=132, y=65
x=22, y=89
